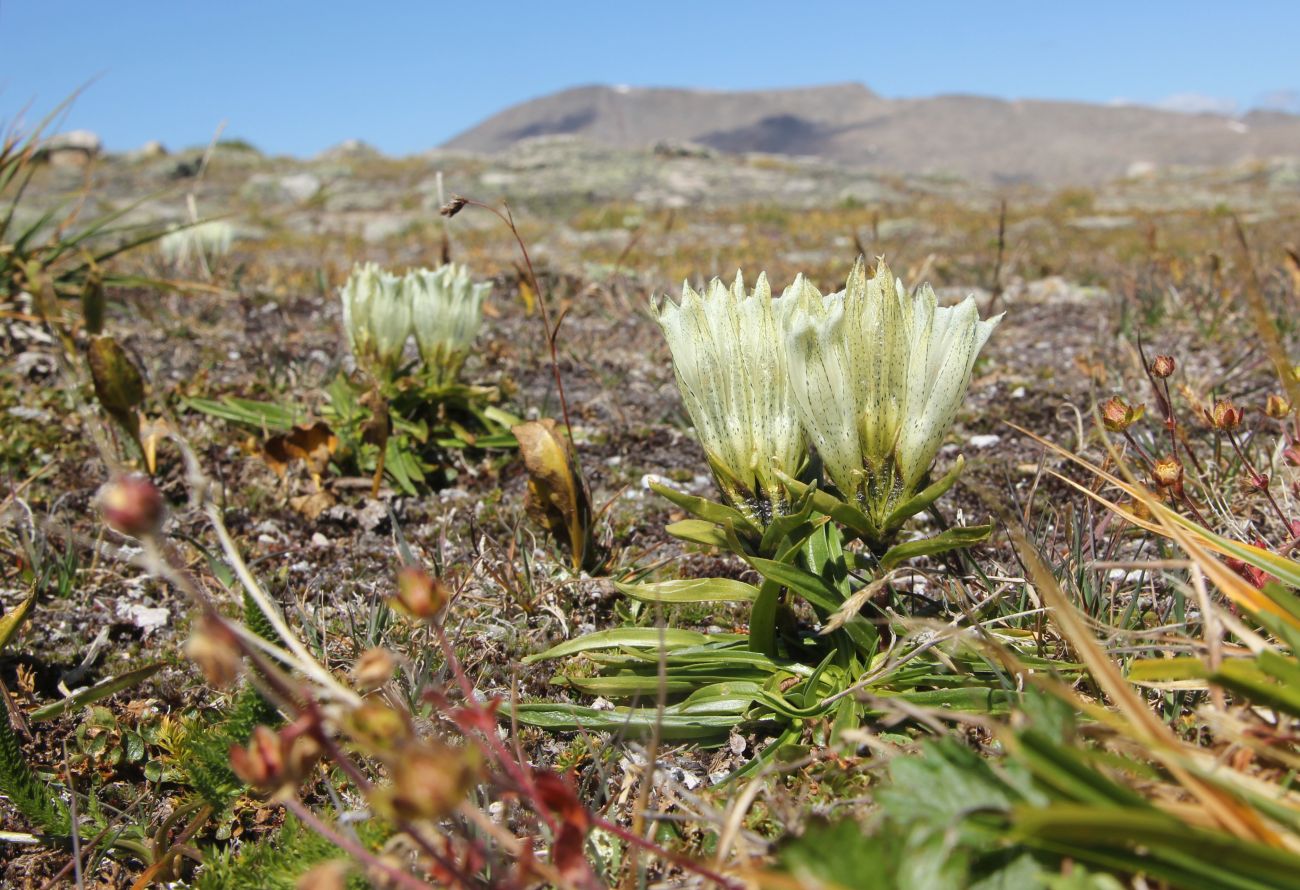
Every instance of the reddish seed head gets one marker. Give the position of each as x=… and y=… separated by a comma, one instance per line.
x=1226, y=416
x=1117, y=415
x=1162, y=366
x=131, y=504
x=1168, y=472
x=1276, y=406
x=276, y=762
x=215, y=649
x=419, y=594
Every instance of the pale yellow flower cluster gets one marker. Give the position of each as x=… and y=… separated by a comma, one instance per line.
x=870, y=376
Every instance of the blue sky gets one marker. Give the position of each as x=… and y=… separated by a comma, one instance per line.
x=296, y=77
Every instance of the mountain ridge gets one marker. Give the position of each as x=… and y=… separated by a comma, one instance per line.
x=980, y=138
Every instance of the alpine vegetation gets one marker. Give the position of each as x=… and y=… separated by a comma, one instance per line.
x=731, y=368
x=878, y=375
x=443, y=307
x=447, y=312
x=207, y=241
x=377, y=318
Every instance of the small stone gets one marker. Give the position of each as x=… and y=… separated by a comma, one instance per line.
x=987, y=440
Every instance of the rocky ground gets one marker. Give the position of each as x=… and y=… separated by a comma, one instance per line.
x=1081, y=274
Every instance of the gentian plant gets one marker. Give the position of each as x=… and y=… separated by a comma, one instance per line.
x=821, y=417
x=398, y=417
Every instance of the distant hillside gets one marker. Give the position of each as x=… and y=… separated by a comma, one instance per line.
x=973, y=137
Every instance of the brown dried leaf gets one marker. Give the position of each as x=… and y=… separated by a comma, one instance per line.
x=313, y=444
x=314, y=504
x=557, y=499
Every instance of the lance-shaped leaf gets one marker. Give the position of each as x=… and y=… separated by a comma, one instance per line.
x=691, y=590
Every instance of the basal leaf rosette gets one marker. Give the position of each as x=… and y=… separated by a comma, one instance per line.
x=730, y=363
x=878, y=375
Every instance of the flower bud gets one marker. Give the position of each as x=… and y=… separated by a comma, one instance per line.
x=1168, y=472
x=118, y=383
x=1276, y=406
x=1162, y=366
x=215, y=649
x=276, y=763
x=428, y=781
x=373, y=669
x=1226, y=416
x=131, y=504
x=419, y=594
x=261, y=763
x=1117, y=415
x=1257, y=481
x=375, y=727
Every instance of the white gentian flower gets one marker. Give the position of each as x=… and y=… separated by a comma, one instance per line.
x=447, y=309
x=730, y=363
x=878, y=376
x=184, y=245
x=377, y=318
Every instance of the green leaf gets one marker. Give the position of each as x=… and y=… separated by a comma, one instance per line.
x=95, y=693
x=13, y=619
x=402, y=465
x=762, y=619
x=1261, y=687
x=259, y=415
x=827, y=504
x=706, y=509
x=951, y=539
x=1150, y=842
x=805, y=583
x=691, y=590
x=1167, y=670
x=635, y=637
x=698, y=531
x=926, y=497
x=632, y=722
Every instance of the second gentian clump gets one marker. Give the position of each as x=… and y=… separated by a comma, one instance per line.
x=443, y=307
x=870, y=376
x=878, y=375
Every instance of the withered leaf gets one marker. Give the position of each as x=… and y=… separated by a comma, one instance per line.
x=314, y=504
x=313, y=444
x=557, y=498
